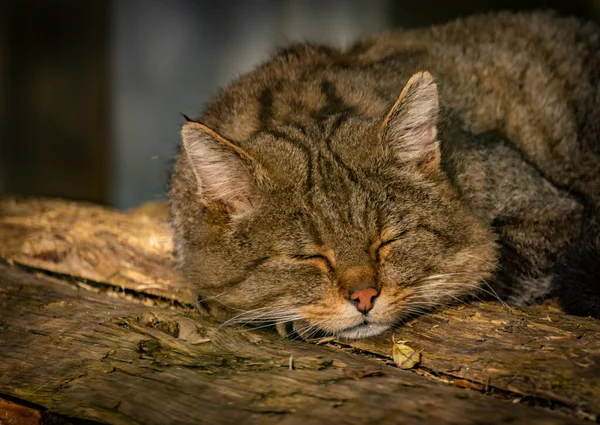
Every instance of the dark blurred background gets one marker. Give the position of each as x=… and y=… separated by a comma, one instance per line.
x=92, y=91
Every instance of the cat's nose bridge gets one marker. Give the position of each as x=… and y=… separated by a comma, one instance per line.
x=358, y=277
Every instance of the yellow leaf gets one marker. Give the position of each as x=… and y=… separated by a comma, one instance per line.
x=405, y=357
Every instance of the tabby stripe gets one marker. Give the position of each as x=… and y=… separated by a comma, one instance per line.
x=256, y=263
x=265, y=114
x=448, y=241
x=334, y=104
x=300, y=145
x=349, y=171
x=403, y=60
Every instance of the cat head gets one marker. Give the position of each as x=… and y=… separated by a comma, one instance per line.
x=346, y=228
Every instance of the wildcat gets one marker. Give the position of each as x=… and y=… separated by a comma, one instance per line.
x=342, y=191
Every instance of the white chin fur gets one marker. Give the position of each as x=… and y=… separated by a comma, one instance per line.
x=362, y=331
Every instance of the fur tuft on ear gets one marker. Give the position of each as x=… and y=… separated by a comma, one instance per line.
x=186, y=118
x=409, y=129
x=222, y=170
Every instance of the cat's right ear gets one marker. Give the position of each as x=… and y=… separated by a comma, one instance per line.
x=224, y=172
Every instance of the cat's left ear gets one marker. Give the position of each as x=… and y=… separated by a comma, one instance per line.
x=409, y=129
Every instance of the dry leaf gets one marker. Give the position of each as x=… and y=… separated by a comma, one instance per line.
x=405, y=357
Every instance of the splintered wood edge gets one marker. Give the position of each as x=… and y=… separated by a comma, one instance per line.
x=96, y=247
x=19, y=414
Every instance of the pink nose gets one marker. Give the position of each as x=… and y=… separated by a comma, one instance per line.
x=364, y=298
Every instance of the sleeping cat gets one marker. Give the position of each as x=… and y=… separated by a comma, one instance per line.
x=343, y=191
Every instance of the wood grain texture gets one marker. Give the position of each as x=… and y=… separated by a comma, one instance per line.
x=535, y=352
x=86, y=355
x=82, y=347
x=88, y=242
x=16, y=414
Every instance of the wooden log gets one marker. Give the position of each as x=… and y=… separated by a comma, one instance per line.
x=534, y=357
x=90, y=356
x=16, y=414
x=92, y=243
x=534, y=352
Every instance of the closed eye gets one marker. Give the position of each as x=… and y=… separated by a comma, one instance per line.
x=311, y=258
x=380, y=251
x=392, y=240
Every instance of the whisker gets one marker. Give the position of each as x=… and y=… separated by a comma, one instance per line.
x=213, y=297
x=312, y=331
x=240, y=315
x=444, y=275
x=438, y=295
x=269, y=317
x=269, y=313
x=461, y=284
x=267, y=325
x=199, y=302
x=480, y=259
x=495, y=295
x=442, y=283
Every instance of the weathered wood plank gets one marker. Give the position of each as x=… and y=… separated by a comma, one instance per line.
x=538, y=355
x=16, y=414
x=533, y=352
x=130, y=251
x=86, y=355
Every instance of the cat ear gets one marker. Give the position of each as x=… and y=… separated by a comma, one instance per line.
x=222, y=170
x=409, y=129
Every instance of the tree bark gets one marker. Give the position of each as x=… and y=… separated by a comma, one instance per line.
x=111, y=336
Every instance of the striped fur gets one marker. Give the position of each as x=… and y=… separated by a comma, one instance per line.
x=325, y=169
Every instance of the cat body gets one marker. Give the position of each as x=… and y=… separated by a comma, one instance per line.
x=345, y=190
